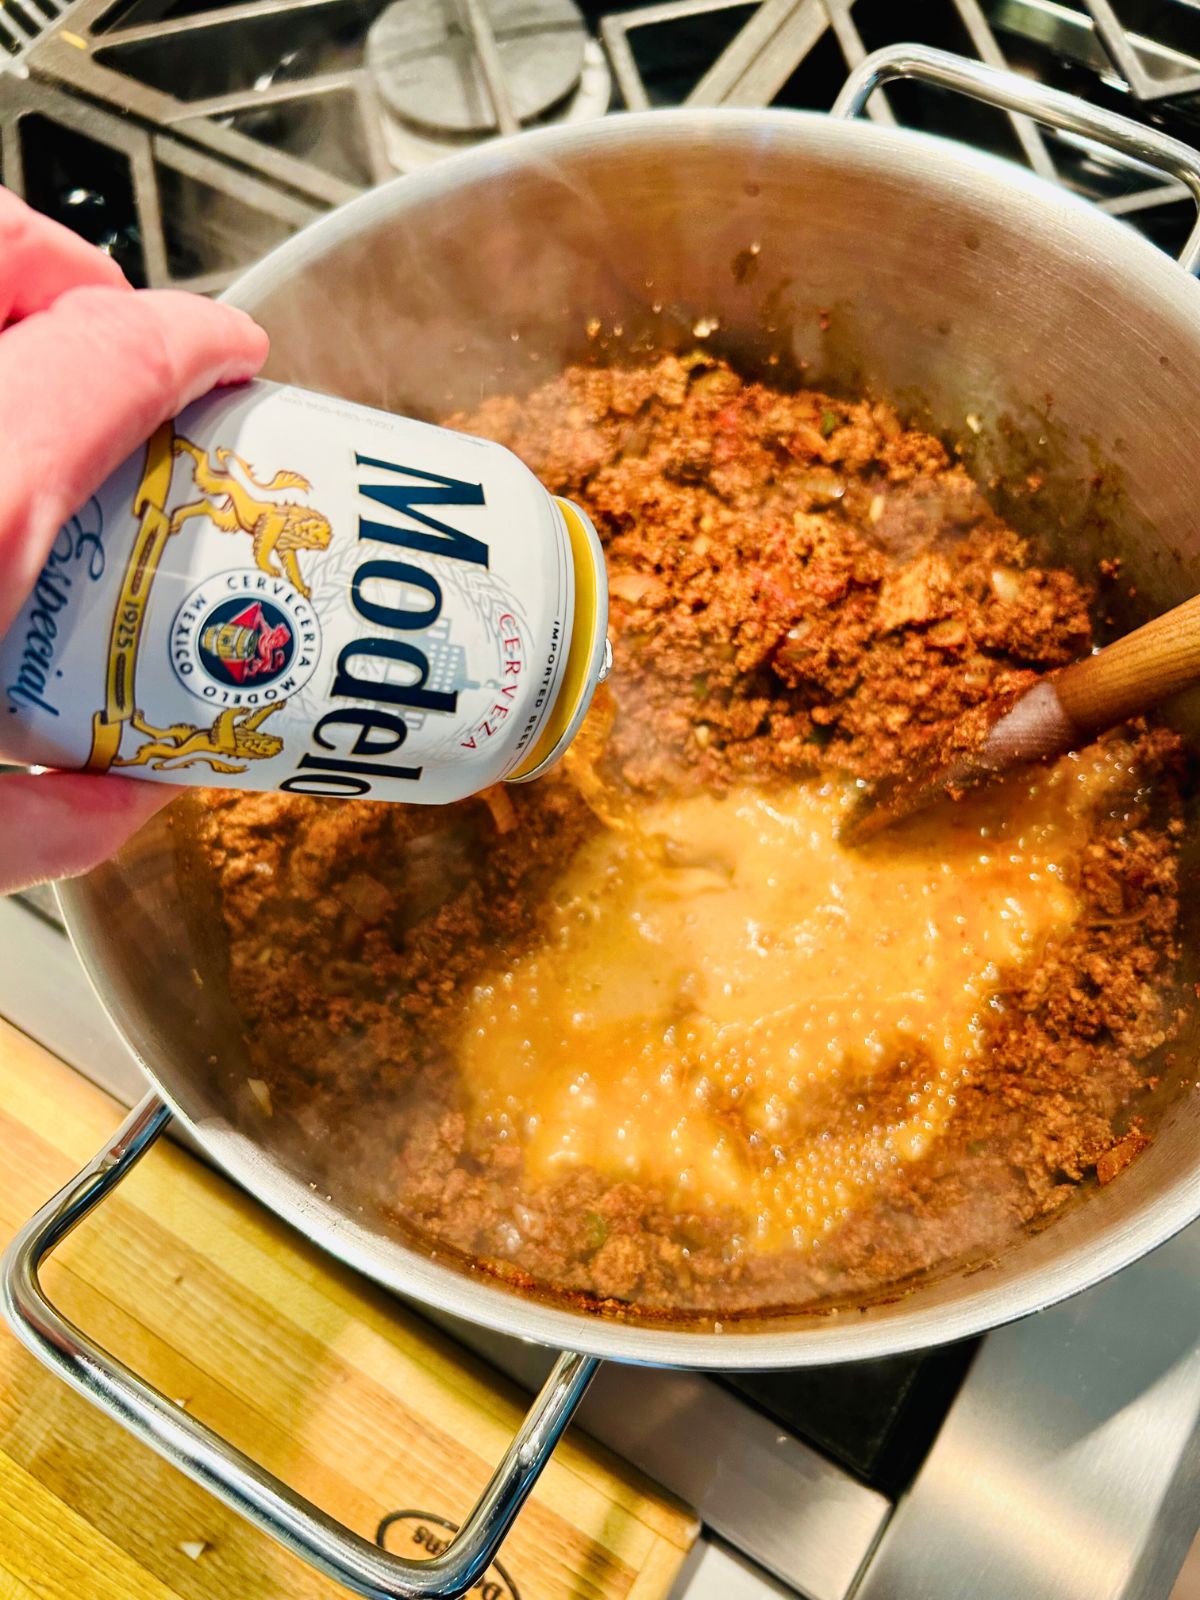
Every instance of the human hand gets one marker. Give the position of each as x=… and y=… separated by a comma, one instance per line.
x=89, y=368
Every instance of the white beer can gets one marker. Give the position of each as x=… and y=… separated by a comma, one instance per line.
x=287, y=591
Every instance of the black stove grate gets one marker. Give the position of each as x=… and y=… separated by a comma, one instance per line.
x=268, y=108
x=878, y=1419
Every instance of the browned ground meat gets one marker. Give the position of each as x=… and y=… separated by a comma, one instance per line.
x=798, y=585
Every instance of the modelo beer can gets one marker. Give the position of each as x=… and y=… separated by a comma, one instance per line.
x=286, y=591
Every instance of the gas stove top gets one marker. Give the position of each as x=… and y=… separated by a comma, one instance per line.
x=187, y=138
x=1055, y=1458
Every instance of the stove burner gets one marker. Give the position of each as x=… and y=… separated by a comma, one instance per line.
x=426, y=61
x=408, y=148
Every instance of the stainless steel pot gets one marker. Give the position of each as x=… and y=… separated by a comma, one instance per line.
x=948, y=280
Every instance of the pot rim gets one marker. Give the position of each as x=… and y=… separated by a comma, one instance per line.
x=828, y=1337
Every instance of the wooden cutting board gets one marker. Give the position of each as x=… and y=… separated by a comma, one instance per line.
x=331, y=1384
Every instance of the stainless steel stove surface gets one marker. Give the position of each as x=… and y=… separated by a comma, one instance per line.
x=1057, y=1458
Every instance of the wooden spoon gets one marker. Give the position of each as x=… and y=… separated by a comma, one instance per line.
x=1060, y=712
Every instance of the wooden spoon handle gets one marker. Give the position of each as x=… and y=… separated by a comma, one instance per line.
x=1135, y=673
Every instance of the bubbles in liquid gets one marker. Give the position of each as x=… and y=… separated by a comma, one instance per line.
x=730, y=1007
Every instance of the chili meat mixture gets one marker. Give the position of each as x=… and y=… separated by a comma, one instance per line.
x=801, y=589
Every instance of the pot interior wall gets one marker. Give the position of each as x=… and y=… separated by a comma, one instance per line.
x=864, y=258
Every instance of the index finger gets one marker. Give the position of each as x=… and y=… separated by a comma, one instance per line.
x=58, y=824
x=40, y=259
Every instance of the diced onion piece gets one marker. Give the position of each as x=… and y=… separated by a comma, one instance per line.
x=261, y=1090
x=499, y=802
x=1006, y=584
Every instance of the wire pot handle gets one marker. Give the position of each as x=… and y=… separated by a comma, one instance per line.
x=188, y=1444
x=1026, y=97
